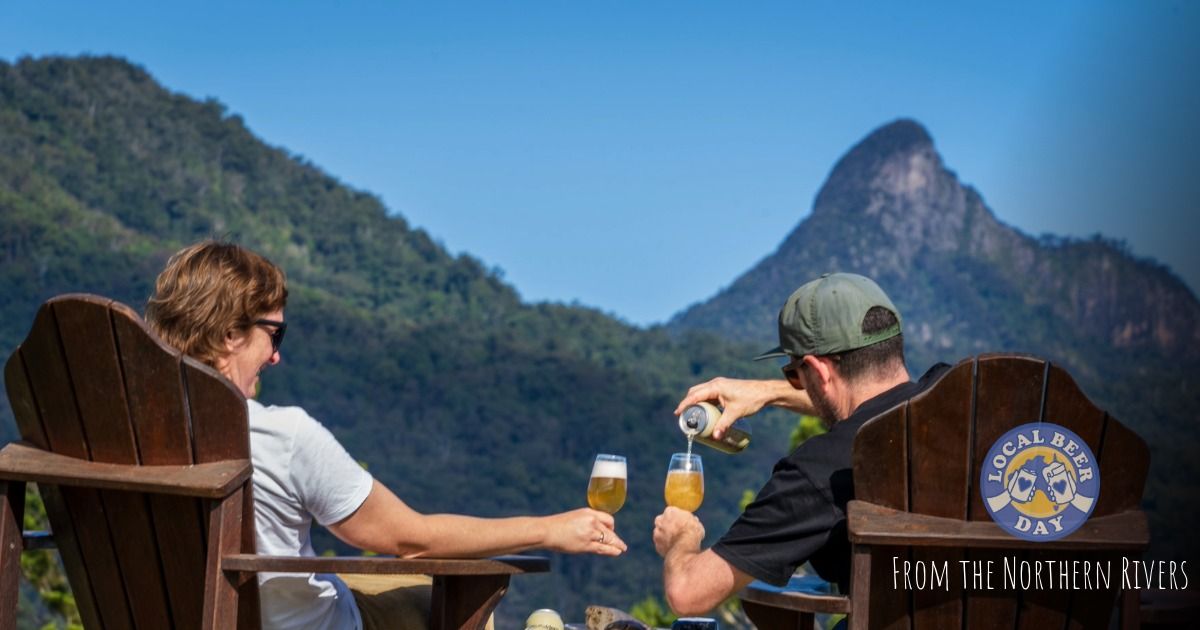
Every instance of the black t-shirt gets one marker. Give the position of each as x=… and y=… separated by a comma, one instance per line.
x=800, y=514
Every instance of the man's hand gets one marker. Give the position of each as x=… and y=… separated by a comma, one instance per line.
x=677, y=529
x=694, y=581
x=740, y=398
x=583, y=531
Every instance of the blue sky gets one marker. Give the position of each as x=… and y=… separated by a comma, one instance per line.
x=638, y=156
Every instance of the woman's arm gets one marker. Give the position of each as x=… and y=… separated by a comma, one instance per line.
x=385, y=524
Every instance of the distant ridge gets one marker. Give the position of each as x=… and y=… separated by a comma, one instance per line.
x=890, y=209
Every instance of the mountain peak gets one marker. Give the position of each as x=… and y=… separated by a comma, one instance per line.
x=896, y=163
x=903, y=135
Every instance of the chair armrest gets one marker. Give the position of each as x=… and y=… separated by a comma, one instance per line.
x=499, y=565
x=795, y=600
x=871, y=524
x=22, y=462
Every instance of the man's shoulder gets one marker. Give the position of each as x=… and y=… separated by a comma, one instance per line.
x=818, y=456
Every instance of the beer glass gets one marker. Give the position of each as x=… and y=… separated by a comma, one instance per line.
x=685, y=482
x=606, y=489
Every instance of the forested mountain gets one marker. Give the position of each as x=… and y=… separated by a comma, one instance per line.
x=1127, y=328
x=426, y=365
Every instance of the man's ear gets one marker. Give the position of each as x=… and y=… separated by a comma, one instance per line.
x=822, y=368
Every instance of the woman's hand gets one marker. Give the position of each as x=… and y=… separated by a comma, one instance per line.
x=583, y=531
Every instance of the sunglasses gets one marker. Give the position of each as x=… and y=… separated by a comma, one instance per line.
x=278, y=329
x=791, y=372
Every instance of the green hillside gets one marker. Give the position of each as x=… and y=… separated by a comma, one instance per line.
x=426, y=365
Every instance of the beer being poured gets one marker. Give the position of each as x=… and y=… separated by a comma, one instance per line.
x=698, y=421
x=685, y=482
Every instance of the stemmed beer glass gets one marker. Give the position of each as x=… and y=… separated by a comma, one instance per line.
x=685, y=482
x=606, y=488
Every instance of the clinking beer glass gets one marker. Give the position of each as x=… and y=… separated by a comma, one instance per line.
x=685, y=482
x=606, y=488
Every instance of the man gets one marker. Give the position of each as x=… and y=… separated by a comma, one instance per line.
x=842, y=336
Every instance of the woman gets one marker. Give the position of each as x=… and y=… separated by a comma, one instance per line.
x=223, y=304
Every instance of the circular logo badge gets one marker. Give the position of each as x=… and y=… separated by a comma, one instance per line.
x=1040, y=481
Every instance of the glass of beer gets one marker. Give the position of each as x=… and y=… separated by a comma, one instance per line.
x=606, y=489
x=685, y=482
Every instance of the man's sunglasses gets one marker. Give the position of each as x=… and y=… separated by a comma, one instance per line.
x=791, y=372
x=278, y=329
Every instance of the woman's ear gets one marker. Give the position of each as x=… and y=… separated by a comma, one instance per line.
x=234, y=340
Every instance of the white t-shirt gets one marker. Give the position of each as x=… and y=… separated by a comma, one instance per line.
x=301, y=473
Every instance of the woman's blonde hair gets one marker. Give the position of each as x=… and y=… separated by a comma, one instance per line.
x=209, y=290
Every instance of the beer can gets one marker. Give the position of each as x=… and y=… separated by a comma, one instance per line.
x=544, y=619
x=698, y=421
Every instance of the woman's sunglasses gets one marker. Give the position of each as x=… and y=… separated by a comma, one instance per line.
x=278, y=328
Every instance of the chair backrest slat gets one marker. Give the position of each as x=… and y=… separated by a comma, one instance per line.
x=155, y=391
x=939, y=468
x=224, y=433
x=95, y=375
x=1124, y=464
x=884, y=480
x=939, y=475
x=50, y=382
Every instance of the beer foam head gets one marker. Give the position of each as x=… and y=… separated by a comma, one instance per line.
x=609, y=468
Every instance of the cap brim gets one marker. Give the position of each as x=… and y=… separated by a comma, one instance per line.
x=777, y=351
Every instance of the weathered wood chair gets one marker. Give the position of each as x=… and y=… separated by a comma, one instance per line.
x=916, y=483
x=142, y=457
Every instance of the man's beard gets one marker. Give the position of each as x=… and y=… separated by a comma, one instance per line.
x=824, y=407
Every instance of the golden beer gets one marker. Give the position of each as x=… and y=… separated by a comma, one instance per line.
x=606, y=494
x=606, y=488
x=684, y=489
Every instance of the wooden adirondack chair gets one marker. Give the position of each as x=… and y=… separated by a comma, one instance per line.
x=142, y=458
x=916, y=483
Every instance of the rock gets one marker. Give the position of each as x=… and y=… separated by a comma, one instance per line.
x=601, y=617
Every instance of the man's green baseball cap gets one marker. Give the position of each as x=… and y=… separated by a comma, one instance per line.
x=825, y=316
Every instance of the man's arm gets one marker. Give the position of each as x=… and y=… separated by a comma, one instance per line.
x=385, y=524
x=694, y=581
x=741, y=397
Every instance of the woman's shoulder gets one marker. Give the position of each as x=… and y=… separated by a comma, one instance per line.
x=279, y=417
